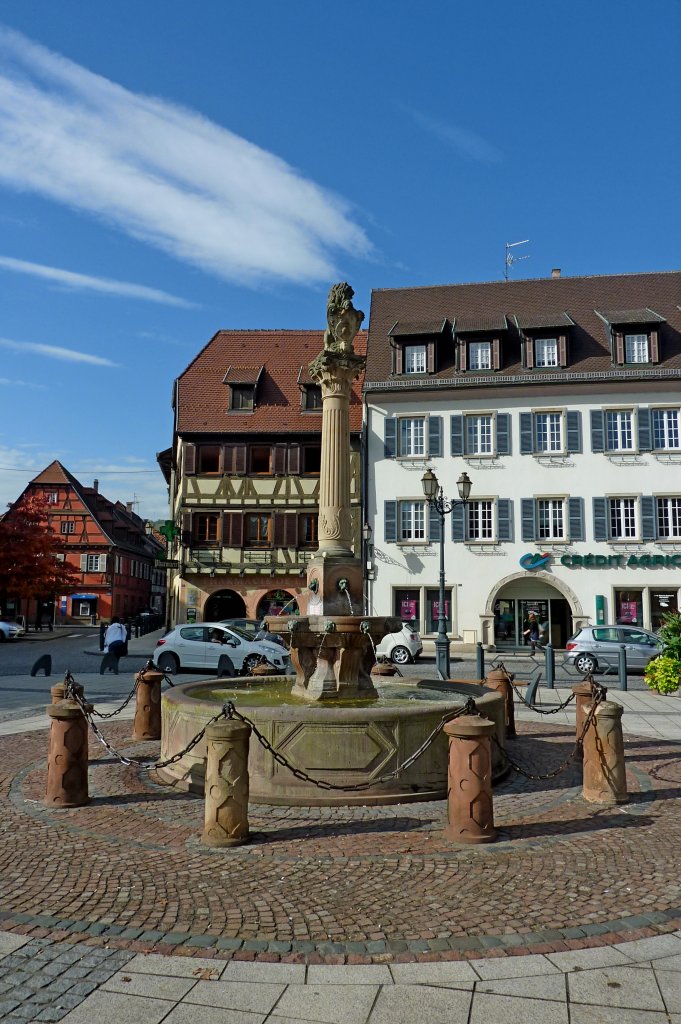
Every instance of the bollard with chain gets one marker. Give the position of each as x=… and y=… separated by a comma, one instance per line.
x=61, y=690
x=226, y=809
x=500, y=679
x=470, y=812
x=604, y=770
x=67, y=758
x=147, y=724
x=584, y=694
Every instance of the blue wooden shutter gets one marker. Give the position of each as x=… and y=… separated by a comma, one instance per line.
x=503, y=433
x=597, y=430
x=390, y=440
x=457, y=435
x=459, y=523
x=575, y=519
x=470, y=435
x=435, y=436
x=390, y=521
x=504, y=519
x=644, y=442
x=526, y=434
x=574, y=431
x=648, y=517
x=600, y=508
x=434, y=525
x=527, y=513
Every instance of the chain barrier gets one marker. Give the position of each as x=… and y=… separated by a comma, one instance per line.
x=110, y=714
x=542, y=711
x=469, y=708
x=599, y=696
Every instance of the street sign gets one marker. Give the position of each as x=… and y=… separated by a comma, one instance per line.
x=167, y=563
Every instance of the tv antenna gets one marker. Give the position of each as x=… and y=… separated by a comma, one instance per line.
x=511, y=258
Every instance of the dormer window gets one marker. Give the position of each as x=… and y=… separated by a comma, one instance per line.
x=243, y=385
x=243, y=397
x=634, y=335
x=544, y=340
x=546, y=352
x=415, y=358
x=636, y=348
x=414, y=346
x=312, y=398
x=480, y=355
x=478, y=343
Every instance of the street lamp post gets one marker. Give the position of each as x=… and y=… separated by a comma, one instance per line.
x=443, y=506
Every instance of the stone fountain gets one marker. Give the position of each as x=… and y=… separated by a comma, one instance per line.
x=334, y=723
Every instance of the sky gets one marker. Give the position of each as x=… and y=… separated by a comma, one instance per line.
x=168, y=170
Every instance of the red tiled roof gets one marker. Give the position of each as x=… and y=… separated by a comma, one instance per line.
x=243, y=374
x=202, y=399
x=55, y=473
x=579, y=297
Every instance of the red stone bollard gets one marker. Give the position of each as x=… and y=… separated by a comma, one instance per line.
x=470, y=811
x=500, y=679
x=584, y=693
x=147, y=724
x=58, y=691
x=226, y=811
x=605, y=780
x=67, y=758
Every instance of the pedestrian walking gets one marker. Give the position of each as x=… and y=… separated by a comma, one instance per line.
x=115, y=638
x=533, y=633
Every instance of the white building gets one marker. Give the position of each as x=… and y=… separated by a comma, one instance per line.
x=561, y=399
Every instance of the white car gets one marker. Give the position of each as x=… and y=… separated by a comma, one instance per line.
x=401, y=647
x=200, y=645
x=10, y=631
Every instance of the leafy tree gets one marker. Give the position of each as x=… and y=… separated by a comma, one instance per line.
x=29, y=566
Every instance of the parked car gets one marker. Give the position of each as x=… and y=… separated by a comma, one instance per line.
x=401, y=647
x=197, y=646
x=10, y=631
x=597, y=647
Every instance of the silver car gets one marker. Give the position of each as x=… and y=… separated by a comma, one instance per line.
x=597, y=647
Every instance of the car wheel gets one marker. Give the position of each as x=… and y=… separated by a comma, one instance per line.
x=169, y=663
x=400, y=656
x=2, y=637
x=585, y=663
x=250, y=662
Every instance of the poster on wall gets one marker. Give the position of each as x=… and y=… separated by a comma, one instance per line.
x=628, y=611
x=436, y=609
x=407, y=609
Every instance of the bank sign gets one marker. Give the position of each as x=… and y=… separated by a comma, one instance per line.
x=533, y=560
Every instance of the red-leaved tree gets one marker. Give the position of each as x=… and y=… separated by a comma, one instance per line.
x=29, y=566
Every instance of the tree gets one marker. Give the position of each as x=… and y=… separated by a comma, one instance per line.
x=29, y=566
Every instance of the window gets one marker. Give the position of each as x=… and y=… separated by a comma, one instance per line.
x=412, y=520
x=307, y=530
x=312, y=459
x=551, y=519
x=414, y=358
x=243, y=397
x=69, y=527
x=479, y=355
x=433, y=610
x=548, y=432
x=205, y=528
x=619, y=428
x=636, y=348
x=669, y=517
x=622, y=518
x=261, y=459
x=480, y=520
x=607, y=635
x=52, y=497
x=665, y=428
x=312, y=398
x=95, y=563
x=209, y=458
x=413, y=437
x=407, y=605
x=478, y=435
x=258, y=530
x=546, y=352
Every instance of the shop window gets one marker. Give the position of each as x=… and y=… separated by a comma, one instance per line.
x=662, y=602
x=205, y=529
x=258, y=530
x=407, y=605
x=433, y=610
x=261, y=459
x=312, y=459
x=629, y=607
x=504, y=620
x=208, y=458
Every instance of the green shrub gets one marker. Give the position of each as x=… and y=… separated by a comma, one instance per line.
x=663, y=674
x=670, y=634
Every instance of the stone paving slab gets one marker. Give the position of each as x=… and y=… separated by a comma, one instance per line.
x=512, y=1010
x=616, y=986
x=404, y=1004
x=330, y=1004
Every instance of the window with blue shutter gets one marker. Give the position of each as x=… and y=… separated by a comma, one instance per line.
x=648, y=524
x=576, y=519
x=390, y=522
x=574, y=431
x=435, y=436
x=644, y=442
x=503, y=433
x=597, y=430
x=390, y=438
x=504, y=519
x=457, y=435
x=528, y=518
x=526, y=434
x=434, y=525
x=600, y=510
x=459, y=524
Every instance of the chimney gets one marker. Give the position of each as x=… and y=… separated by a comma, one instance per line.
x=129, y=505
x=555, y=272
x=95, y=485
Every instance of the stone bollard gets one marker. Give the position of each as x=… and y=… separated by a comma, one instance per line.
x=605, y=779
x=226, y=813
x=583, y=696
x=67, y=758
x=58, y=691
x=500, y=679
x=470, y=812
x=147, y=724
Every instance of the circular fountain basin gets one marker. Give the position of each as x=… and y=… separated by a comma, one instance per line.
x=354, y=741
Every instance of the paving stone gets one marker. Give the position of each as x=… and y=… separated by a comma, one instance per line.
x=371, y=974
x=174, y=966
x=454, y=974
x=405, y=1004
x=668, y=963
x=582, y=1014
x=650, y=949
x=156, y=986
x=51, y=1013
x=186, y=1014
x=514, y=1010
x=513, y=967
x=113, y=1008
x=328, y=1004
x=286, y=974
x=585, y=959
x=257, y=997
x=629, y=987
x=544, y=986
x=670, y=986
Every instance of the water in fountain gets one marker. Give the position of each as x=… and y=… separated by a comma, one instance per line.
x=349, y=599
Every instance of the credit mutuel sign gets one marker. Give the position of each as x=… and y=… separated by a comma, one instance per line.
x=533, y=561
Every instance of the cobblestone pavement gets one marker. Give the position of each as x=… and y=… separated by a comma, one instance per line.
x=87, y=889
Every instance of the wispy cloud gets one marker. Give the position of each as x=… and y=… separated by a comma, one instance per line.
x=164, y=174
x=464, y=141
x=22, y=384
x=84, y=282
x=54, y=352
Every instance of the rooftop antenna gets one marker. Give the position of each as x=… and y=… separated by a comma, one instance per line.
x=510, y=258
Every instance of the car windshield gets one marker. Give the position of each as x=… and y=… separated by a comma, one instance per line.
x=238, y=631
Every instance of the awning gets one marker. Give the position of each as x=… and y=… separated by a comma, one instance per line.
x=83, y=597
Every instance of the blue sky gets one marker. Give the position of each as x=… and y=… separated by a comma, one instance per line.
x=167, y=170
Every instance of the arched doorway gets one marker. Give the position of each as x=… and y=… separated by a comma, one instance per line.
x=277, y=602
x=224, y=604
x=552, y=602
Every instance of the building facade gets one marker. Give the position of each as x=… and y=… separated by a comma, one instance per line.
x=243, y=475
x=107, y=542
x=561, y=399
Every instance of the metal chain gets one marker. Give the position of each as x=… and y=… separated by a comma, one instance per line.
x=468, y=708
x=125, y=703
x=542, y=711
x=599, y=696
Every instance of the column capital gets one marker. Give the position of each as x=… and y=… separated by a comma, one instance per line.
x=335, y=371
